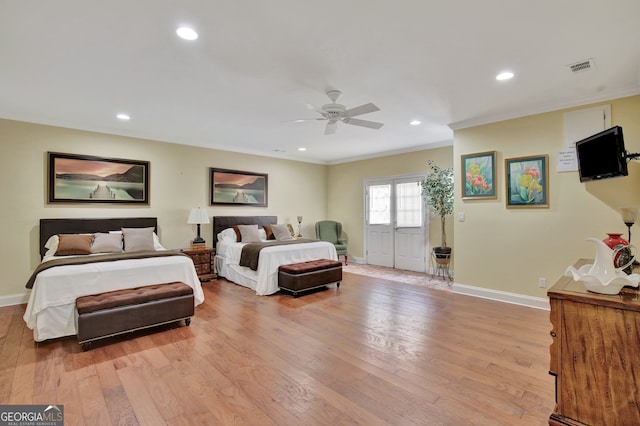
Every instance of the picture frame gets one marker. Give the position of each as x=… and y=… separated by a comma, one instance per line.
x=527, y=181
x=74, y=178
x=479, y=176
x=238, y=188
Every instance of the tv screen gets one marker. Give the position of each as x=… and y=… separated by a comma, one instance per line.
x=602, y=155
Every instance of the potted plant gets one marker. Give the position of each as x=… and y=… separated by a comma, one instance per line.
x=437, y=192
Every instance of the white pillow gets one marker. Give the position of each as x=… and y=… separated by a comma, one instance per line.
x=52, y=245
x=138, y=239
x=106, y=243
x=281, y=232
x=262, y=233
x=228, y=234
x=249, y=233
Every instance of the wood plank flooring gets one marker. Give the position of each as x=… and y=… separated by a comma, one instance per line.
x=372, y=352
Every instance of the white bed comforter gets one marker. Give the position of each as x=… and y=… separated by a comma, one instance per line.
x=50, y=311
x=265, y=280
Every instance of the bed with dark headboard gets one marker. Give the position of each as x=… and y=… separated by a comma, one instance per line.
x=59, y=280
x=264, y=280
x=49, y=227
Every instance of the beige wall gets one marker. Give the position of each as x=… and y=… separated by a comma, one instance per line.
x=179, y=181
x=346, y=191
x=509, y=249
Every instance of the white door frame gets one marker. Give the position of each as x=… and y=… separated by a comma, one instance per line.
x=385, y=179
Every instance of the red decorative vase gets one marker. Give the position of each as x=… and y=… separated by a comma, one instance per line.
x=621, y=257
x=614, y=239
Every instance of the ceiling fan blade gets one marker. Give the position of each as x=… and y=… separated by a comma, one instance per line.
x=362, y=109
x=331, y=128
x=300, y=120
x=316, y=109
x=363, y=123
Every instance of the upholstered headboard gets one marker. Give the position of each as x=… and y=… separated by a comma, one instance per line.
x=49, y=227
x=220, y=223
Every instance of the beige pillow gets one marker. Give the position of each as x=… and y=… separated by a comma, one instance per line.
x=281, y=232
x=249, y=233
x=138, y=239
x=70, y=244
x=106, y=243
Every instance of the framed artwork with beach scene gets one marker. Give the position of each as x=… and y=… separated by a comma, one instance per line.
x=527, y=181
x=238, y=188
x=479, y=175
x=90, y=179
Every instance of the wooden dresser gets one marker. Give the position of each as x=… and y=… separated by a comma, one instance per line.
x=595, y=355
x=203, y=261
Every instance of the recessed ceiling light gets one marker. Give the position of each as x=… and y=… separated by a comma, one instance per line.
x=186, y=33
x=415, y=122
x=123, y=117
x=505, y=75
x=299, y=121
x=302, y=149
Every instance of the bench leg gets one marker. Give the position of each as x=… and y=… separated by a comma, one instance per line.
x=187, y=321
x=86, y=346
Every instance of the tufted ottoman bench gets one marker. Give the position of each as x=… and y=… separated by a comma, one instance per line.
x=297, y=277
x=116, y=312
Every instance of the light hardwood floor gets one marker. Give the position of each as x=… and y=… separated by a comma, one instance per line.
x=371, y=352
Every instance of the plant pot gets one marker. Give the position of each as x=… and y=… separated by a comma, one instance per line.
x=443, y=255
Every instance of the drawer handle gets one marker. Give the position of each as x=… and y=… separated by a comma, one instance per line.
x=553, y=334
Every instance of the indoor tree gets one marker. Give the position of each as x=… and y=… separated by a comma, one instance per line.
x=437, y=192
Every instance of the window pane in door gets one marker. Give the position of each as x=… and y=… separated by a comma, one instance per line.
x=380, y=204
x=408, y=204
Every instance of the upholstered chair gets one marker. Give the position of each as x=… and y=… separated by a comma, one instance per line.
x=331, y=231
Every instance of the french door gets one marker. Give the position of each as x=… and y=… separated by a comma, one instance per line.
x=396, y=229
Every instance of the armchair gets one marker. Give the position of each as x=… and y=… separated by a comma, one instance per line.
x=331, y=231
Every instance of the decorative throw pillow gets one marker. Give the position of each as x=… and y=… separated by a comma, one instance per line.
x=237, y=231
x=269, y=232
x=71, y=244
x=106, y=243
x=137, y=239
x=281, y=232
x=249, y=233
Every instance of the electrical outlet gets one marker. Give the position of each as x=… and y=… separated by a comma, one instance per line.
x=461, y=217
x=542, y=282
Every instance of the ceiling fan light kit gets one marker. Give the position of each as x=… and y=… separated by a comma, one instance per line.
x=335, y=112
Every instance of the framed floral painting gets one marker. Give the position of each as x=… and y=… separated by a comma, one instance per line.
x=527, y=181
x=479, y=175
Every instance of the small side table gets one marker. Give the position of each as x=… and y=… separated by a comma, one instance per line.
x=203, y=261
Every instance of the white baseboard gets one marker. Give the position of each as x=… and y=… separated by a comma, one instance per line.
x=502, y=296
x=14, y=299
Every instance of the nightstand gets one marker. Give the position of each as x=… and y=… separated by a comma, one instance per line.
x=203, y=261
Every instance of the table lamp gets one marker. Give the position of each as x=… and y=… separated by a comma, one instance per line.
x=198, y=216
x=299, y=226
x=629, y=215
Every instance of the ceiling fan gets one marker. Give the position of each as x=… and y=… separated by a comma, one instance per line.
x=335, y=112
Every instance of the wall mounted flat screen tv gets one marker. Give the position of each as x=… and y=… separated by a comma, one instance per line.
x=602, y=156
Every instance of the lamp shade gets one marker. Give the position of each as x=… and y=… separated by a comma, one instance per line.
x=197, y=216
x=629, y=214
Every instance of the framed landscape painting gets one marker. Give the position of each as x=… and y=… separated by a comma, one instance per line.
x=479, y=175
x=527, y=181
x=238, y=188
x=89, y=179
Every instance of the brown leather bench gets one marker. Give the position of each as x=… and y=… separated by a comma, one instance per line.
x=121, y=311
x=298, y=277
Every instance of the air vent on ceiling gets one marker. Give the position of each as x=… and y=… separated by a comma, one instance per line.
x=582, y=66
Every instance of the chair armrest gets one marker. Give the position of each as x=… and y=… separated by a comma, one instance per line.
x=342, y=241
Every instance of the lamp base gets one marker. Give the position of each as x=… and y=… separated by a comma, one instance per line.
x=198, y=240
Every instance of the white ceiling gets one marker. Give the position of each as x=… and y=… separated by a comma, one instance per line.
x=256, y=64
